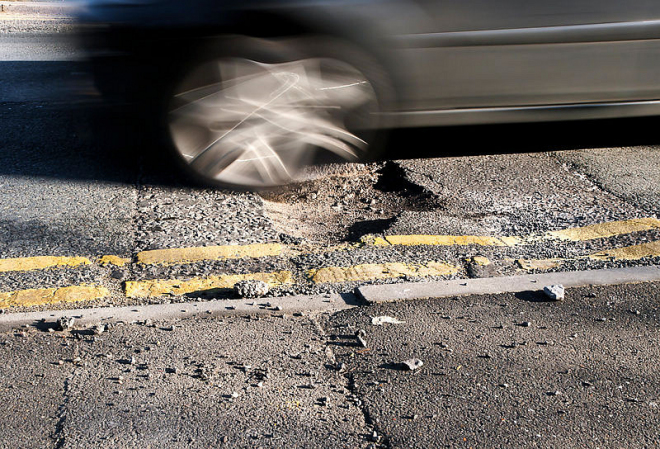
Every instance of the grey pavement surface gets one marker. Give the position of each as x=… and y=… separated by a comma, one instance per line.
x=510, y=370
x=513, y=194
x=234, y=382
x=498, y=371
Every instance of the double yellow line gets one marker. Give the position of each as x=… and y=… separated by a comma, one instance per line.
x=363, y=272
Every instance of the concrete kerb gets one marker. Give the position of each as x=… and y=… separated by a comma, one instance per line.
x=506, y=284
x=229, y=307
x=334, y=302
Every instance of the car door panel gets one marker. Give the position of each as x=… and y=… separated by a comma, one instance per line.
x=531, y=53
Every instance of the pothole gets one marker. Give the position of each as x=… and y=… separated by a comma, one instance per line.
x=363, y=199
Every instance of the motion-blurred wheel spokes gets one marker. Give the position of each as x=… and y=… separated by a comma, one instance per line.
x=250, y=124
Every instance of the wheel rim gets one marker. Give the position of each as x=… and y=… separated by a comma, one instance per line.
x=249, y=124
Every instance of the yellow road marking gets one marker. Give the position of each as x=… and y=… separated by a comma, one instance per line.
x=379, y=271
x=188, y=255
x=35, y=297
x=40, y=262
x=159, y=287
x=444, y=240
x=602, y=230
x=636, y=252
x=113, y=260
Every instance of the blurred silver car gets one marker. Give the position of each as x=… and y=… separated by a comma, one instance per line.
x=248, y=93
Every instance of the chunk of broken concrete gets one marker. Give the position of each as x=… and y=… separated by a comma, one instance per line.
x=554, y=292
x=250, y=288
x=380, y=320
x=411, y=364
x=65, y=323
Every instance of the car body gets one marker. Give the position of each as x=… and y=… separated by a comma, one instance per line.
x=427, y=62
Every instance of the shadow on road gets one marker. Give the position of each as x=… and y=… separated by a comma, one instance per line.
x=456, y=141
x=54, y=126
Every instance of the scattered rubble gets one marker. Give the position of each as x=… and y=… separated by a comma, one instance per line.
x=480, y=267
x=359, y=336
x=251, y=288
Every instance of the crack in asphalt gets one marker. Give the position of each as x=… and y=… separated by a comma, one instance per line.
x=350, y=385
x=58, y=434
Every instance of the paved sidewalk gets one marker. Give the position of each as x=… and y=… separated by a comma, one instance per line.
x=509, y=370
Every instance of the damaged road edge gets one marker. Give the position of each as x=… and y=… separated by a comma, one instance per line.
x=93, y=316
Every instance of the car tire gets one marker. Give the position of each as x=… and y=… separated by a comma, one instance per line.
x=247, y=113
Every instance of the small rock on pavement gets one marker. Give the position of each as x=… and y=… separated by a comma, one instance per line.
x=250, y=289
x=380, y=320
x=554, y=292
x=411, y=364
x=65, y=323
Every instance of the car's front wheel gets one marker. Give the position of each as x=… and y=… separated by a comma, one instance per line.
x=253, y=116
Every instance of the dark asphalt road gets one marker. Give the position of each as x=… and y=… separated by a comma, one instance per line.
x=511, y=370
x=581, y=373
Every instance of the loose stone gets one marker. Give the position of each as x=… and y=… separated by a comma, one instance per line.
x=65, y=323
x=380, y=320
x=411, y=364
x=250, y=288
x=554, y=292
